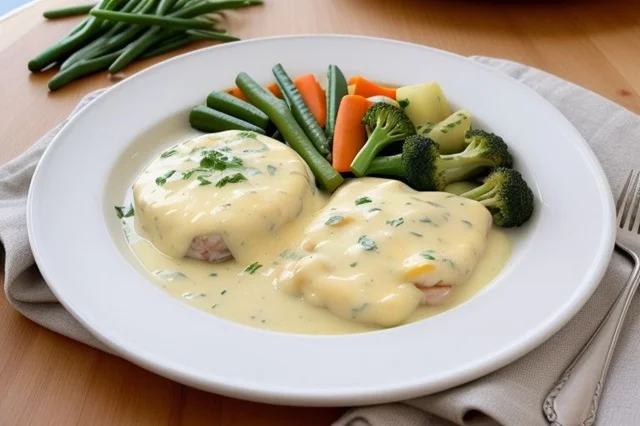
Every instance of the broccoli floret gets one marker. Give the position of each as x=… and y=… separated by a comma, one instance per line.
x=506, y=195
x=424, y=169
x=484, y=151
x=385, y=124
x=419, y=156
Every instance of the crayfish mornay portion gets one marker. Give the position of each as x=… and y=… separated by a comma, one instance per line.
x=380, y=249
x=210, y=197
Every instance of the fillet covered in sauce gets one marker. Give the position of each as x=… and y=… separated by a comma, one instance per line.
x=210, y=196
x=379, y=249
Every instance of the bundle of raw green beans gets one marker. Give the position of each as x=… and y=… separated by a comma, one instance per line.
x=118, y=32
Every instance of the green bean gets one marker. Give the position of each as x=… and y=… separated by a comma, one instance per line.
x=179, y=4
x=336, y=89
x=205, y=6
x=81, y=69
x=278, y=112
x=301, y=111
x=211, y=35
x=152, y=20
x=150, y=37
x=164, y=7
x=173, y=43
x=65, y=12
x=67, y=45
x=111, y=40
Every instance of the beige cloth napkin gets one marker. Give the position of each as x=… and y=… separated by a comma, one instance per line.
x=510, y=396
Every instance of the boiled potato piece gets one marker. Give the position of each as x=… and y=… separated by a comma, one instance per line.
x=449, y=133
x=426, y=103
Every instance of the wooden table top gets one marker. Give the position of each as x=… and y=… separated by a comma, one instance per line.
x=46, y=378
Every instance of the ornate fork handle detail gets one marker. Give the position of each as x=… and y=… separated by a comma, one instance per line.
x=573, y=401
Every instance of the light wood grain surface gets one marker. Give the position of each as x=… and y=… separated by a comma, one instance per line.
x=49, y=379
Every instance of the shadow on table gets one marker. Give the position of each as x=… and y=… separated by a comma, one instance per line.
x=534, y=17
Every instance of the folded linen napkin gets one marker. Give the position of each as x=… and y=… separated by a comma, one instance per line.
x=510, y=396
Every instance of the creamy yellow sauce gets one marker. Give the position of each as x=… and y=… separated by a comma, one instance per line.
x=362, y=254
x=266, y=297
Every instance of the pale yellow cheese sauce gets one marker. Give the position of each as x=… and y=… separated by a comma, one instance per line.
x=302, y=264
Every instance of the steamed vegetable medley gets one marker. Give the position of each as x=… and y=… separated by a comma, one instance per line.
x=357, y=127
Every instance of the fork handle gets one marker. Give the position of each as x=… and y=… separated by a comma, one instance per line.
x=573, y=401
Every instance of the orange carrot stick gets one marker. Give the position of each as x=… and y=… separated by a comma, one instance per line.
x=238, y=94
x=313, y=96
x=273, y=88
x=349, y=135
x=367, y=88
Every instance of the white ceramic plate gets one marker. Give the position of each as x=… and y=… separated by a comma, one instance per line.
x=557, y=262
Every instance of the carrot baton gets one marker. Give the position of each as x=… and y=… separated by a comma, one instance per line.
x=350, y=134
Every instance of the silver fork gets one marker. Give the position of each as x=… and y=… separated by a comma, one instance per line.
x=573, y=401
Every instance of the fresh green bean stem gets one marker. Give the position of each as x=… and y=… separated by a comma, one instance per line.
x=138, y=47
x=300, y=111
x=65, y=12
x=211, y=35
x=164, y=7
x=171, y=44
x=111, y=40
x=81, y=69
x=152, y=20
x=67, y=45
x=278, y=112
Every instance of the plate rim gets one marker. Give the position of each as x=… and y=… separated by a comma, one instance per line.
x=321, y=397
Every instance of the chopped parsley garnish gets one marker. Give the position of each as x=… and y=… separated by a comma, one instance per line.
x=251, y=269
x=363, y=200
x=223, y=292
x=213, y=274
x=247, y=135
x=375, y=209
x=469, y=224
x=431, y=203
x=427, y=255
x=238, y=177
x=163, y=179
x=120, y=211
x=333, y=220
x=217, y=160
x=168, y=153
x=367, y=243
x=187, y=175
x=204, y=181
x=272, y=169
x=354, y=264
x=395, y=222
x=416, y=234
x=428, y=220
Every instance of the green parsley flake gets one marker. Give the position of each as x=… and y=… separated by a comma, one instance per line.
x=238, y=177
x=120, y=211
x=217, y=160
x=395, y=222
x=203, y=181
x=427, y=255
x=272, y=170
x=334, y=220
x=251, y=269
x=168, y=153
x=363, y=200
x=367, y=243
x=163, y=179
